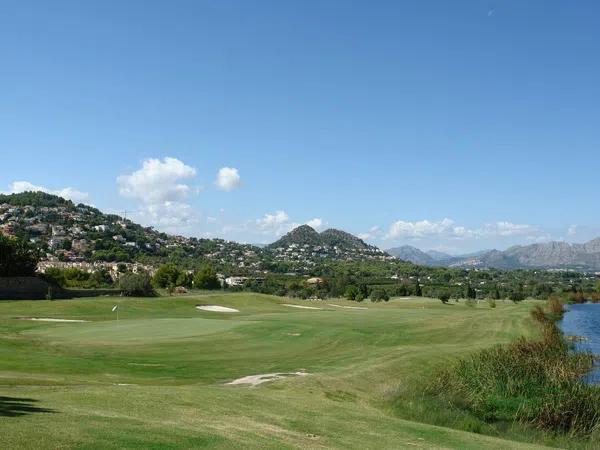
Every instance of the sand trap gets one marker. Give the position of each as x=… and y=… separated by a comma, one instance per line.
x=350, y=307
x=300, y=306
x=292, y=334
x=255, y=380
x=48, y=319
x=215, y=308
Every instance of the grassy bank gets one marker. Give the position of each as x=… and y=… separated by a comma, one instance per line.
x=530, y=384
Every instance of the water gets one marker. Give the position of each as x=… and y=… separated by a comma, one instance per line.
x=584, y=320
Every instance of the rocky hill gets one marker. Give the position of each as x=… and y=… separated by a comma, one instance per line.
x=413, y=254
x=306, y=243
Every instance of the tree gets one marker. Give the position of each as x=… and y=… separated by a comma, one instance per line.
x=17, y=258
x=444, y=296
x=517, y=294
x=136, y=284
x=351, y=292
x=185, y=279
x=378, y=295
x=165, y=275
x=470, y=293
x=206, y=278
x=418, y=290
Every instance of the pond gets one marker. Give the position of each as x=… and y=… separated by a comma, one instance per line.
x=584, y=320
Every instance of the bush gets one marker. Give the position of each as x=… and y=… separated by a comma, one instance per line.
x=165, y=275
x=444, y=296
x=378, y=295
x=136, y=284
x=206, y=278
x=491, y=302
x=351, y=293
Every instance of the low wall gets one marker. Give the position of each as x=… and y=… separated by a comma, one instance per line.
x=24, y=288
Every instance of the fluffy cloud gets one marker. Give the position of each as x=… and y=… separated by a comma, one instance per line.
x=159, y=188
x=276, y=224
x=422, y=228
x=67, y=192
x=316, y=223
x=157, y=181
x=279, y=223
x=507, y=229
x=572, y=231
x=446, y=228
x=373, y=233
x=228, y=179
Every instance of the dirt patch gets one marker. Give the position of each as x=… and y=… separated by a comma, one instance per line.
x=300, y=306
x=49, y=319
x=255, y=380
x=216, y=308
x=350, y=307
x=292, y=334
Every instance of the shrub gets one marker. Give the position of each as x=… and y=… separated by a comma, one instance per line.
x=165, y=275
x=444, y=296
x=136, y=284
x=378, y=295
x=491, y=302
x=351, y=292
x=206, y=278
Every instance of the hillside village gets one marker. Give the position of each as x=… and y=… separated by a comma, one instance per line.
x=81, y=236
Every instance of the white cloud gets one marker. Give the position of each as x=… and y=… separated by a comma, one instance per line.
x=446, y=228
x=572, y=231
x=157, y=181
x=67, y=192
x=507, y=229
x=228, y=179
x=279, y=223
x=316, y=223
x=276, y=224
x=373, y=233
x=158, y=186
x=422, y=228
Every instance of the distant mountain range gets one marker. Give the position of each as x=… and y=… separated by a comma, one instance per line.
x=549, y=255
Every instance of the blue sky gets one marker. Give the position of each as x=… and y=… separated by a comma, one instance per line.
x=447, y=125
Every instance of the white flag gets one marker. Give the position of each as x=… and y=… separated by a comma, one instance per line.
x=115, y=308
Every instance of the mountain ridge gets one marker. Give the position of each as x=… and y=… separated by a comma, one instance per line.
x=548, y=255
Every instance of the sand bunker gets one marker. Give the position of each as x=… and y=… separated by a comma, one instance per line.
x=255, y=380
x=350, y=307
x=49, y=319
x=300, y=306
x=215, y=308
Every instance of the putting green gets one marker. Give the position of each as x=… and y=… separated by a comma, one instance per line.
x=143, y=331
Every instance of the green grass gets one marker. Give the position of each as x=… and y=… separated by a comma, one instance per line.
x=155, y=378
